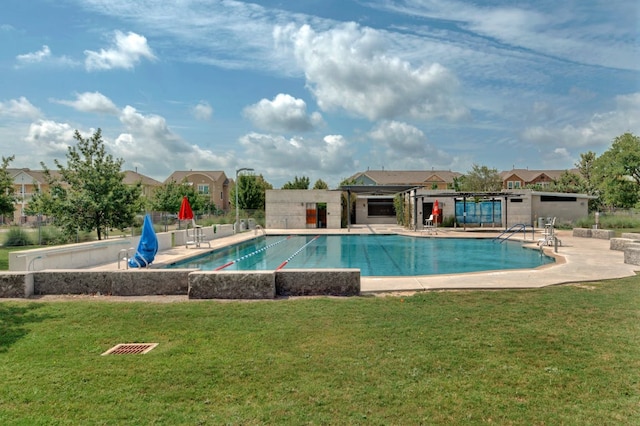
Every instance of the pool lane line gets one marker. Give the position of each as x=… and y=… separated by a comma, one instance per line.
x=283, y=264
x=250, y=254
x=393, y=261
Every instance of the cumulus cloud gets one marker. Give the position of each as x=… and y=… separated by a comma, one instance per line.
x=281, y=158
x=283, y=114
x=127, y=50
x=202, y=111
x=349, y=68
x=91, y=102
x=403, y=146
x=50, y=139
x=148, y=140
x=599, y=131
x=19, y=108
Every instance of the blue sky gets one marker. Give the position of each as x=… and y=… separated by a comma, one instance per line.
x=320, y=88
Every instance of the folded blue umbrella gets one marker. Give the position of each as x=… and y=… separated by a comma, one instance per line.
x=147, y=247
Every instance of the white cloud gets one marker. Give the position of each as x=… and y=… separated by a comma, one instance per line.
x=563, y=30
x=350, y=68
x=44, y=55
x=398, y=145
x=597, y=133
x=202, y=111
x=148, y=140
x=279, y=158
x=283, y=114
x=91, y=102
x=35, y=57
x=49, y=139
x=127, y=50
x=19, y=108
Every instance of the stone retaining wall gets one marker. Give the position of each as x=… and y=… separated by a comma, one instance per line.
x=602, y=234
x=232, y=285
x=620, y=244
x=194, y=283
x=147, y=282
x=306, y=282
x=15, y=284
x=630, y=235
x=632, y=254
x=582, y=232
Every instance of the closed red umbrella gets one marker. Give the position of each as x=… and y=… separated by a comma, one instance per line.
x=436, y=211
x=185, y=212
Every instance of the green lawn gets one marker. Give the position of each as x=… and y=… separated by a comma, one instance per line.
x=559, y=355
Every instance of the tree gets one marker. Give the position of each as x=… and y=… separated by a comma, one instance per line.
x=7, y=191
x=251, y=192
x=320, y=184
x=89, y=193
x=568, y=182
x=618, y=169
x=168, y=197
x=298, y=183
x=481, y=179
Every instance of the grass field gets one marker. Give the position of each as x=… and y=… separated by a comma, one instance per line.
x=559, y=355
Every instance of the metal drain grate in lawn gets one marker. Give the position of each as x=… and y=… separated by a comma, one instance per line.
x=130, y=348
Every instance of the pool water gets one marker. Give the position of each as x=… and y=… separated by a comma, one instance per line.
x=374, y=255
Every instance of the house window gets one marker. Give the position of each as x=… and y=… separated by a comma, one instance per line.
x=510, y=185
x=203, y=188
x=513, y=184
x=221, y=196
x=516, y=184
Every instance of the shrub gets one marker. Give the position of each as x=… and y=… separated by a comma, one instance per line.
x=17, y=237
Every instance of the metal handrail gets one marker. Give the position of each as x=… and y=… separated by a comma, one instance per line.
x=511, y=231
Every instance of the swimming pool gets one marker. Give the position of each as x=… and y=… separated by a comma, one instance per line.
x=374, y=255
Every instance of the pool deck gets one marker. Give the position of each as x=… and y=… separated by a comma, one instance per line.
x=578, y=260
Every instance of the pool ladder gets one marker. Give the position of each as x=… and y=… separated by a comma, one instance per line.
x=505, y=235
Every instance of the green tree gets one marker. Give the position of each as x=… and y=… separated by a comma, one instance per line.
x=89, y=194
x=168, y=197
x=298, y=183
x=568, y=182
x=481, y=179
x=251, y=192
x=320, y=184
x=7, y=191
x=619, y=171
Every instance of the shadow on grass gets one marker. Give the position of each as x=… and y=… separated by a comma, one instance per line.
x=13, y=319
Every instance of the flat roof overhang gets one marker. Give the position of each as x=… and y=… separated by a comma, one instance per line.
x=379, y=189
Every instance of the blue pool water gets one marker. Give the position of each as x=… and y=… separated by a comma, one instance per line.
x=374, y=255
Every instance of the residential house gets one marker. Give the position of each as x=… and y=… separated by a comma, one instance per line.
x=428, y=179
x=147, y=184
x=26, y=183
x=213, y=184
x=522, y=178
